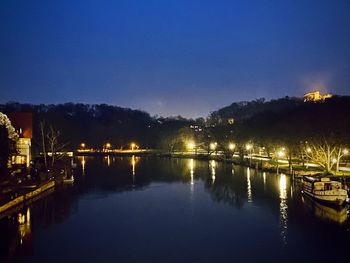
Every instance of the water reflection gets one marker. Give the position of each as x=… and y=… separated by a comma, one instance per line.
x=82, y=160
x=83, y=165
x=217, y=212
x=213, y=170
x=337, y=215
x=21, y=230
x=283, y=207
x=264, y=178
x=192, y=167
x=134, y=161
x=249, y=187
x=192, y=171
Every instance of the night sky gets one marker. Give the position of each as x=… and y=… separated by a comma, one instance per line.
x=172, y=57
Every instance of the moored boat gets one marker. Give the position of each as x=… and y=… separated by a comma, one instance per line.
x=325, y=190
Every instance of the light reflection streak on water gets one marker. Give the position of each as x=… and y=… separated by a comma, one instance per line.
x=133, y=164
x=264, y=178
x=192, y=171
x=83, y=165
x=283, y=207
x=24, y=224
x=192, y=166
x=108, y=160
x=213, y=172
x=249, y=187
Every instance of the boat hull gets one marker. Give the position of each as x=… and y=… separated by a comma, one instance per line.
x=330, y=197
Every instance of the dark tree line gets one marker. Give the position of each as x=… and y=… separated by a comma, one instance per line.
x=96, y=125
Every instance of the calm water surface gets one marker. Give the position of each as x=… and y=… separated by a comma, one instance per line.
x=174, y=210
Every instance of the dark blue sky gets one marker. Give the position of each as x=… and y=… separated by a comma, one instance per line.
x=172, y=57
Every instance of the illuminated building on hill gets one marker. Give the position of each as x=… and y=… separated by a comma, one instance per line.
x=316, y=96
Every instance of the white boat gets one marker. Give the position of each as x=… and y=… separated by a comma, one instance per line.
x=324, y=189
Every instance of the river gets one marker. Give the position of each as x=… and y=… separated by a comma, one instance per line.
x=147, y=209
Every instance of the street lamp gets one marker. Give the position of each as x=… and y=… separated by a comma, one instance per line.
x=249, y=149
x=82, y=145
x=191, y=145
x=231, y=146
x=345, y=151
x=133, y=145
x=281, y=154
x=213, y=145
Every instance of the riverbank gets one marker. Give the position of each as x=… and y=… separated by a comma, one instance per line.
x=262, y=164
x=26, y=197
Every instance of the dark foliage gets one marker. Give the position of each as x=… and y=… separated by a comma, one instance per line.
x=97, y=124
x=5, y=149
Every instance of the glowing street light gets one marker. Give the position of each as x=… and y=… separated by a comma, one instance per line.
x=191, y=145
x=281, y=153
x=231, y=146
x=82, y=145
x=308, y=150
x=345, y=151
x=213, y=145
x=108, y=145
x=248, y=146
x=133, y=146
x=334, y=160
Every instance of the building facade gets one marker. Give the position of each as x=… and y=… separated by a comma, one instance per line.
x=23, y=123
x=316, y=96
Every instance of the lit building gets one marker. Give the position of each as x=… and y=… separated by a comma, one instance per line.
x=316, y=96
x=22, y=122
x=196, y=128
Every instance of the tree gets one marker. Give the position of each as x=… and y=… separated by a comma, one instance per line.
x=54, y=144
x=42, y=127
x=4, y=149
x=50, y=142
x=324, y=153
x=340, y=153
x=8, y=138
